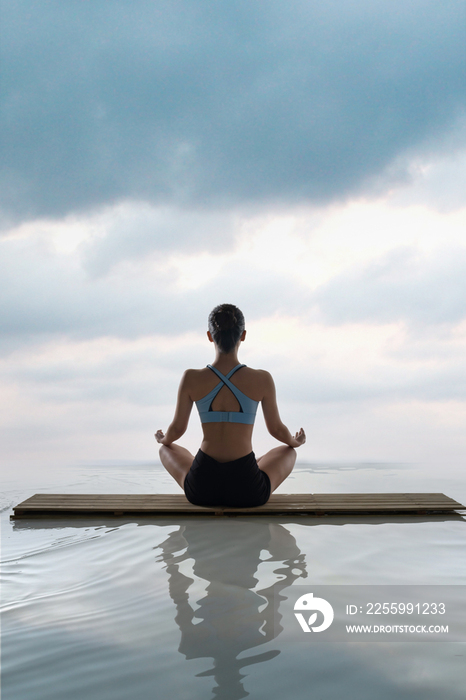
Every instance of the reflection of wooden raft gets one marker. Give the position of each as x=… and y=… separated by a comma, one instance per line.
x=289, y=504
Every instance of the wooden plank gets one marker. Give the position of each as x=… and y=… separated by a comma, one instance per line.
x=279, y=503
x=154, y=499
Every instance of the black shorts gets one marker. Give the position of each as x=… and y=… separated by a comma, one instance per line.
x=238, y=484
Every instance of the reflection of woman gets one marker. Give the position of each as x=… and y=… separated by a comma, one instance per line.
x=225, y=471
x=239, y=611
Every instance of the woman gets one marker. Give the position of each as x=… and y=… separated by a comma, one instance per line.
x=225, y=471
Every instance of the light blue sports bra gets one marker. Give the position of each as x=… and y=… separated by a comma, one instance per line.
x=248, y=407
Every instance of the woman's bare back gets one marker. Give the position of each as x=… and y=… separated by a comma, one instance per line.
x=226, y=442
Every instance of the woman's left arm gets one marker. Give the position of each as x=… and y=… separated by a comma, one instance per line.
x=179, y=424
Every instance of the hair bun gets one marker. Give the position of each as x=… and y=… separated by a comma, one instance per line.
x=226, y=324
x=225, y=320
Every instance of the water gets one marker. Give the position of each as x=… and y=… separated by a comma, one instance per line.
x=147, y=607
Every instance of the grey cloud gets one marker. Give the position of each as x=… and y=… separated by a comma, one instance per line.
x=441, y=184
x=403, y=285
x=217, y=104
x=46, y=294
x=129, y=378
x=445, y=381
x=142, y=230
x=150, y=376
x=51, y=295
x=43, y=295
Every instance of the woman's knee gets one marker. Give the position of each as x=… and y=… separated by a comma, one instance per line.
x=163, y=453
x=289, y=456
x=280, y=460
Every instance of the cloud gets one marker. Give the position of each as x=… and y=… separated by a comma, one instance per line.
x=404, y=285
x=116, y=284
x=190, y=102
x=390, y=382
x=45, y=293
x=133, y=231
x=436, y=182
x=341, y=367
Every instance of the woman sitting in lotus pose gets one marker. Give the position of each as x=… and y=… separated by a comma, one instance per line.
x=225, y=471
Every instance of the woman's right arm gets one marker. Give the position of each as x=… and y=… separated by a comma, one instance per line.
x=179, y=424
x=274, y=424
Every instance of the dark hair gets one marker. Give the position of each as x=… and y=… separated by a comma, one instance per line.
x=226, y=324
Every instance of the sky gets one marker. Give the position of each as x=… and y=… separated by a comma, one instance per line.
x=305, y=161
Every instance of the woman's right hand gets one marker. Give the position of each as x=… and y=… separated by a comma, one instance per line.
x=159, y=436
x=299, y=438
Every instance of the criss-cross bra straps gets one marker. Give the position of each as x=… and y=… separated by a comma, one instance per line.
x=248, y=407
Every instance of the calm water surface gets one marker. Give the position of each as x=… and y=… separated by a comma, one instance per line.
x=146, y=608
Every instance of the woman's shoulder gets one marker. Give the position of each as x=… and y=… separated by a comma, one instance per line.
x=192, y=375
x=193, y=382
x=259, y=373
x=259, y=379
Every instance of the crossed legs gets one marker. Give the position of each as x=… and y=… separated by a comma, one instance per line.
x=177, y=461
x=277, y=463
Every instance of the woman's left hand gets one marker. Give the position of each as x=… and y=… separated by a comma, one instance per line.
x=159, y=435
x=300, y=438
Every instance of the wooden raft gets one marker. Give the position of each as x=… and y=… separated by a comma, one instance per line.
x=288, y=504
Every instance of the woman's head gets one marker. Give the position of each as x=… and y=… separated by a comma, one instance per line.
x=226, y=325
